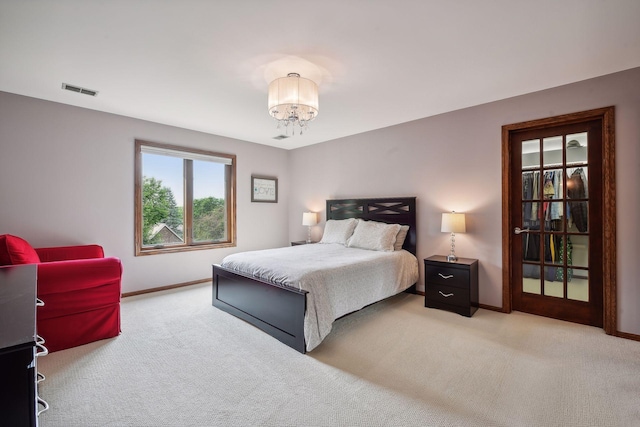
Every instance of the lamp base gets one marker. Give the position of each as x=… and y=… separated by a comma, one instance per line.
x=452, y=255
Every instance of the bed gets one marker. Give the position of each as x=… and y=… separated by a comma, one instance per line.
x=285, y=299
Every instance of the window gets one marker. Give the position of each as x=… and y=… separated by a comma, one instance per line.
x=185, y=199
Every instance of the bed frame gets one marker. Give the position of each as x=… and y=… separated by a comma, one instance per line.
x=279, y=310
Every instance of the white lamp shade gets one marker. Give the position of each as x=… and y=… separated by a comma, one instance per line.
x=293, y=91
x=453, y=223
x=309, y=218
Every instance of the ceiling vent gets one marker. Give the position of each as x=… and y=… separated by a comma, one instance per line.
x=279, y=137
x=79, y=89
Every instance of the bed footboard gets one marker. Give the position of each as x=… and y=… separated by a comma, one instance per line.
x=277, y=310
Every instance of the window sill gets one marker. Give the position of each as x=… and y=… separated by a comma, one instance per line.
x=175, y=249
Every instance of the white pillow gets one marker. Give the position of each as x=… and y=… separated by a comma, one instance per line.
x=376, y=236
x=338, y=230
x=402, y=234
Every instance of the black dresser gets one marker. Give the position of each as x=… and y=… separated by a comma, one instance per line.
x=19, y=347
x=451, y=286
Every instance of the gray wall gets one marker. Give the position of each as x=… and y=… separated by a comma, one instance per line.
x=67, y=175
x=453, y=162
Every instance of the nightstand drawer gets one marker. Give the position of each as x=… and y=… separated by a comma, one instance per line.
x=447, y=276
x=450, y=295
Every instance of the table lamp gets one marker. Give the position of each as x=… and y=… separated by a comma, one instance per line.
x=309, y=219
x=453, y=223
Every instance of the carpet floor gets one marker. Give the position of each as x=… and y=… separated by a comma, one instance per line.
x=181, y=362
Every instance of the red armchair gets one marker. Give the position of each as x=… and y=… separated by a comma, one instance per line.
x=79, y=287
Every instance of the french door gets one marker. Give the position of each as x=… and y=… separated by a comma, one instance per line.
x=559, y=262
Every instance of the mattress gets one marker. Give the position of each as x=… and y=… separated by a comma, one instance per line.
x=339, y=279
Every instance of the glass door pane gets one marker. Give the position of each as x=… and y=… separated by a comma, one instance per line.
x=553, y=286
x=578, y=285
x=531, y=283
x=578, y=250
x=576, y=145
x=530, y=153
x=552, y=151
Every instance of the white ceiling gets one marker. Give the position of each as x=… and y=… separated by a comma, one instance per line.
x=205, y=65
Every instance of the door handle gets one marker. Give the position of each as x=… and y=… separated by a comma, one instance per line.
x=518, y=230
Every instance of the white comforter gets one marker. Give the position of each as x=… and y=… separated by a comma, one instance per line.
x=340, y=280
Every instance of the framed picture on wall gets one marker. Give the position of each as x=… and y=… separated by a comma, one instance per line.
x=264, y=189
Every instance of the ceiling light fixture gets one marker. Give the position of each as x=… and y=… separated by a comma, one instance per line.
x=293, y=101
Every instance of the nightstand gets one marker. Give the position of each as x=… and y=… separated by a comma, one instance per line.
x=301, y=242
x=451, y=286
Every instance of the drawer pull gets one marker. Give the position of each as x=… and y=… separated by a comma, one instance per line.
x=41, y=350
x=40, y=377
x=445, y=277
x=44, y=404
x=39, y=302
x=445, y=295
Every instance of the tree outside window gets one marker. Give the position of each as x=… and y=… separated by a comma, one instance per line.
x=185, y=199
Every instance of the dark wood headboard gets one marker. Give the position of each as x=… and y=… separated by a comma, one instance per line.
x=396, y=210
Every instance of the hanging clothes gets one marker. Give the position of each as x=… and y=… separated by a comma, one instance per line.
x=531, y=245
x=569, y=256
x=557, y=210
x=548, y=191
x=577, y=189
x=550, y=255
x=527, y=194
x=531, y=252
x=535, y=195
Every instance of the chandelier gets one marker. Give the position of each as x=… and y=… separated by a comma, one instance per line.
x=293, y=102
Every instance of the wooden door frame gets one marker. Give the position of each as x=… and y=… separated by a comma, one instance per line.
x=606, y=116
